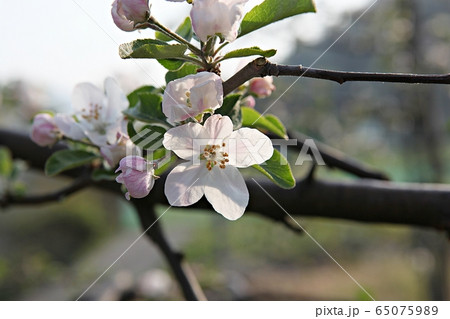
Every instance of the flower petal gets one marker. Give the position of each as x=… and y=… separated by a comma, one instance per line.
x=69, y=127
x=207, y=95
x=247, y=147
x=218, y=127
x=227, y=192
x=181, y=140
x=86, y=95
x=185, y=184
x=137, y=163
x=191, y=96
x=117, y=101
x=139, y=184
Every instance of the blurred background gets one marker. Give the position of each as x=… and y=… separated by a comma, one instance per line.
x=54, y=252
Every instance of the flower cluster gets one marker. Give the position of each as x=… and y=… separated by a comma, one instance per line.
x=96, y=117
x=212, y=146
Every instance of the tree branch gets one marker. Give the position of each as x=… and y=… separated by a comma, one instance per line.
x=370, y=201
x=262, y=67
x=336, y=159
x=184, y=275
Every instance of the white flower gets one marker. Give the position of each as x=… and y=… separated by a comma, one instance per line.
x=126, y=13
x=69, y=127
x=222, y=17
x=115, y=152
x=191, y=96
x=137, y=176
x=98, y=116
x=214, y=152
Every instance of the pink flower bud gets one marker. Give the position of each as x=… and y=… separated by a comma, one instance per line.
x=222, y=17
x=44, y=132
x=249, y=101
x=137, y=176
x=126, y=13
x=262, y=87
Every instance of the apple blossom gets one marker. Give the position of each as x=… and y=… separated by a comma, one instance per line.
x=44, y=131
x=97, y=115
x=137, y=175
x=262, y=87
x=115, y=152
x=126, y=13
x=221, y=17
x=69, y=127
x=214, y=152
x=192, y=96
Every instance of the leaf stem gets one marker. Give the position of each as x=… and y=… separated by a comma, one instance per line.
x=220, y=48
x=174, y=36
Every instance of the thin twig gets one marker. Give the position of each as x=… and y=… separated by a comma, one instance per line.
x=336, y=159
x=59, y=195
x=183, y=274
x=153, y=22
x=262, y=67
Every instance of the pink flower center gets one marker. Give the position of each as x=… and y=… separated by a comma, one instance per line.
x=213, y=156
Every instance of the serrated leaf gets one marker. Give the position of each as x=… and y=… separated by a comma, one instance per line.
x=232, y=109
x=186, y=69
x=184, y=30
x=252, y=118
x=67, y=159
x=278, y=170
x=249, y=52
x=151, y=49
x=6, y=162
x=273, y=10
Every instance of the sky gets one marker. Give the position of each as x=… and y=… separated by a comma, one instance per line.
x=56, y=44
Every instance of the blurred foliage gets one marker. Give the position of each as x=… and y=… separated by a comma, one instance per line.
x=38, y=245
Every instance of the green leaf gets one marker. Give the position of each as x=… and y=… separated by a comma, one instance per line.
x=130, y=129
x=184, y=30
x=186, y=69
x=252, y=118
x=67, y=159
x=6, y=162
x=278, y=170
x=133, y=97
x=171, y=64
x=151, y=49
x=276, y=121
x=101, y=174
x=164, y=165
x=149, y=138
x=273, y=10
x=146, y=106
x=248, y=52
x=232, y=109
